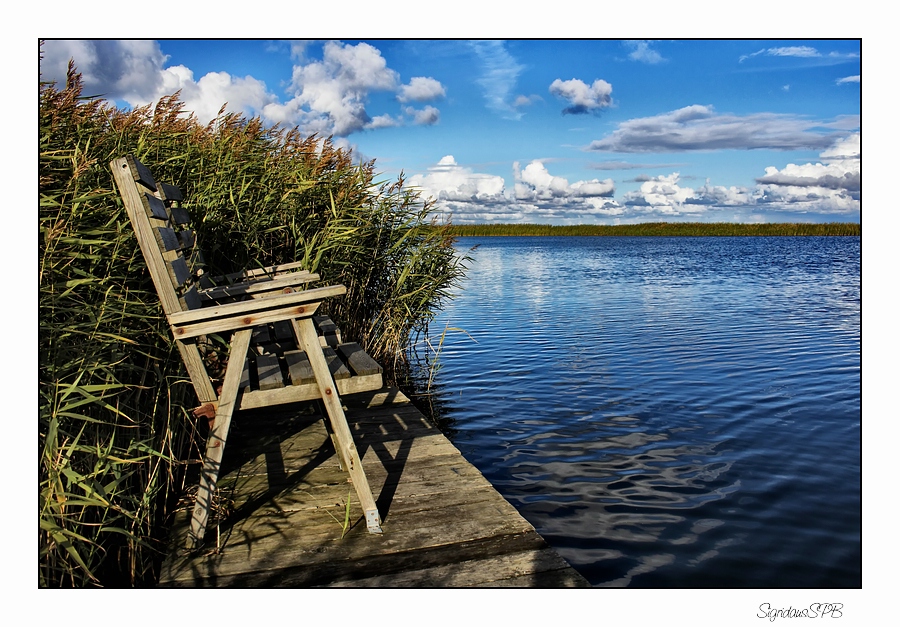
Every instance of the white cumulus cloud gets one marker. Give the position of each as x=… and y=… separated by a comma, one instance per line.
x=330, y=95
x=421, y=89
x=535, y=183
x=206, y=96
x=583, y=98
x=424, y=117
x=663, y=195
x=327, y=96
x=538, y=196
x=450, y=181
x=833, y=185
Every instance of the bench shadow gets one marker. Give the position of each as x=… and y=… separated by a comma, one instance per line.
x=258, y=433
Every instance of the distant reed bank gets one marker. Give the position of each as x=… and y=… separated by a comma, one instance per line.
x=661, y=229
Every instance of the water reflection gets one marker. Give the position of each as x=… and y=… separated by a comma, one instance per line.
x=667, y=413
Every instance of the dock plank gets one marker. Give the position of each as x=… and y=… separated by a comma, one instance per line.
x=444, y=524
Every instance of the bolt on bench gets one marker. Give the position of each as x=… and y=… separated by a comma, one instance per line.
x=279, y=351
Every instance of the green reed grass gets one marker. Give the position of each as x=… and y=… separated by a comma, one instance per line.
x=662, y=229
x=115, y=431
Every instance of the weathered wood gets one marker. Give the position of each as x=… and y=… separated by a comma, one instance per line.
x=154, y=207
x=358, y=360
x=178, y=271
x=325, y=325
x=542, y=568
x=166, y=238
x=329, y=333
x=242, y=319
x=306, y=336
x=315, y=295
x=277, y=269
x=180, y=215
x=190, y=299
x=307, y=392
x=337, y=367
x=169, y=192
x=300, y=370
x=282, y=330
x=261, y=334
x=215, y=443
x=140, y=173
x=193, y=362
x=445, y=525
x=268, y=369
x=261, y=286
x=158, y=218
x=187, y=238
x=133, y=198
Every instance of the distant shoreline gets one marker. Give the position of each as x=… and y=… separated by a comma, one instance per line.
x=661, y=229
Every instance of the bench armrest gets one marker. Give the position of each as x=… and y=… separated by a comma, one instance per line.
x=255, y=288
x=294, y=269
x=250, y=313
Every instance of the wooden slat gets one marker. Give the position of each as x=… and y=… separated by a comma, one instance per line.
x=191, y=299
x=329, y=333
x=269, y=372
x=277, y=269
x=282, y=330
x=244, y=385
x=242, y=319
x=314, y=296
x=180, y=215
x=298, y=367
x=263, y=286
x=132, y=196
x=141, y=173
x=256, y=399
x=169, y=192
x=193, y=362
x=215, y=443
x=154, y=207
x=178, y=271
x=261, y=334
x=324, y=324
x=309, y=342
x=166, y=238
x=188, y=238
x=338, y=368
x=358, y=360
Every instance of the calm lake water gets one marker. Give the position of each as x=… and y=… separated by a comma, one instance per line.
x=667, y=412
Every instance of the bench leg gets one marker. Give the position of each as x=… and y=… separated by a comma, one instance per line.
x=337, y=445
x=347, y=453
x=215, y=444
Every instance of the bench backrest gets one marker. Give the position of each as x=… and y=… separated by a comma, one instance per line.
x=163, y=231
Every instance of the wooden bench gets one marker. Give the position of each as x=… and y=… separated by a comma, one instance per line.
x=278, y=351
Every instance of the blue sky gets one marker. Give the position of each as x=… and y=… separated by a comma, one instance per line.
x=541, y=131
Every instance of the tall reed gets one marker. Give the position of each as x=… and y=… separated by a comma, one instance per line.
x=114, y=427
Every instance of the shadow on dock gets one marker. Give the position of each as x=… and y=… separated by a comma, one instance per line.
x=444, y=524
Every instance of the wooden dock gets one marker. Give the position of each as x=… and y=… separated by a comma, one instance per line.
x=284, y=502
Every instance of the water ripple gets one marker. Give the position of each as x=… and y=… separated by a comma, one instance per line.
x=668, y=411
